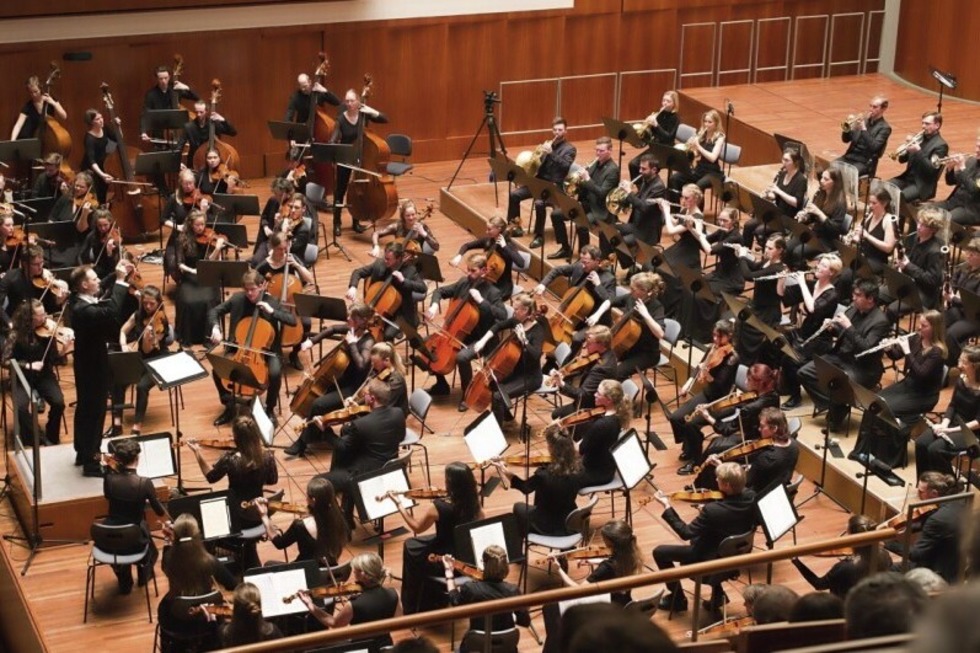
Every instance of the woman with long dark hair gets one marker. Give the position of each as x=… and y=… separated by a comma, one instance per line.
x=247, y=625
x=846, y=573
x=826, y=214
x=322, y=535
x=193, y=299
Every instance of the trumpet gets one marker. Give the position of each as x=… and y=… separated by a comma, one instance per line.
x=574, y=178
x=852, y=120
x=940, y=161
x=901, y=150
x=616, y=199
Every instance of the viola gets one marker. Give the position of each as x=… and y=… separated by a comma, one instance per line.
x=746, y=448
x=213, y=610
x=328, y=591
x=461, y=567
x=697, y=496
x=211, y=443
x=20, y=238
x=581, y=417
x=209, y=237
x=587, y=552
x=339, y=416
x=901, y=521
x=328, y=369
x=534, y=461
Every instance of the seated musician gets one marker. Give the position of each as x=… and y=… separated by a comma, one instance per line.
x=249, y=469
x=716, y=374
x=408, y=227
x=860, y=327
x=356, y=343
x=919, y=179
x=77, y=207
x=387, y=366
x=147, y=331
x=846, y=573
x=726, y=277
x=597, y=436
x=706, y=147
x=690, y=243
x=50, y=182
x=526, y=325
x=294, y=223
x=733, y=515
x=787, y=191
x=197, y=132
x=817, y=304
x=213, y=177
x=645, y=223
x=247, y=625
x=597, y=180
x=404, y=279
x=909, y=399
x=194, y=300
x=32, y=346
x=867, y=136
x=642, y=306
x=965, y=278
x=31, y=281
x=825, y=214
x=491, y=587
x=128, y=495
x=474, y=290
x=184, y=201
x=282, y=190
x=495, y=243
x=761, y=382
x=365, y=444
x=375, y=603
x=102, y=245
x=39, y=106
x=599, y=362
x=321, y=536
x=659, y=127
x=751, y=343
x=557, y=158
x=934, y=449
x=963, y=203
x=768, y=466
x=274, y=265
x=939, y=545
x=923, y=261
x=590, y=273
x=250, y=303
x=875, y=237
x=10, y=251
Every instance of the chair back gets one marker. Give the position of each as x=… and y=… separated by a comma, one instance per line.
x=311, y=254
x=630, y=390
x=731, y=153
x=685, y=132
x=419, y=403
x=525, y=262
x=578, y=519
x=672, y=331
x=315, y=193
x=850, y=176
x=742, y=378
x=648, y=605
x=125, y=538
x=735, y=545
x=794, y=425
x=784, y=635
x=562, y=352
x=181, y=605
x=501, y=641
x=399, y=144
x=398, y=462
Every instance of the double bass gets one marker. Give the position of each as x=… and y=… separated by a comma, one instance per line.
x=371, y=195
x=229, y=155
x=54, y=137
x=321, y=127
x=131, y=208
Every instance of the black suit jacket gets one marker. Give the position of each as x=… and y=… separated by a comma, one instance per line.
x=16, y=288
x=94, y=325
x=368, y=442
x=646, y=216
x=938, y=546
x=592, y=193
x=920, y=172
x=867, y=146
x=378, y=271
x=554, y=166
x=239, y=307
x=732, y=515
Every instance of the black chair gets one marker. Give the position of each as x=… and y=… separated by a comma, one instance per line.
x=117, y=545
x=182, y=607
x=400, y=145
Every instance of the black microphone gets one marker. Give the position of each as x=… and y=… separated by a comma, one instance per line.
x=731, y=107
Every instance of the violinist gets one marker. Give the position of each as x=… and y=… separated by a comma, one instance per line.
x=386, y=365
x=373, y=604
x=50, y=182
x=965, y=278
x=707, y=147
x=197, y=132
x=938, y=546
x=282, y=190
x=357, y=343
x=213, y=177
x=555, y=486
x=96, y=149
x=408, y=228
x=817, y=304
x=147, y=331
x=733, y=515
x=846, y=573
x=404, y=279
x=10, y=245
x=597, y=181
x=597, y=347
x=641, y=304
x=102, y=245
x=252, y=302
x=128, y=495
x=787, y=192
x=659, y=127
x=94, y=322
x=495, y=243
x=294, y=225
x=476, y=291
x=36, y=109
x=691, y=242
x=489, y=588
x=247, y=625
x=301, y=101
x=180, y=204
x=30, y=344
x=591, y=273
x=320, y=536
x=194, y=300
x=31, y=281
x=596, y=437
x=165, y=94
x=350, y=125
x=76, y=207
x=751, y=343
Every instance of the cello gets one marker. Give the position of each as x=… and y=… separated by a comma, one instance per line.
x=321, y=127
x=499, y=364
x=444, y=344
x=229, y=155
x=627, y=331
x=253, y=336
x=371, y=195
x=576, y=304
x=328, y=370
x=285, y=286
x=130, y=207
x=54, y=137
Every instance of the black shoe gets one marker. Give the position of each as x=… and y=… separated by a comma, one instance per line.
x=792, y=402
x=92, y=470
x=686, y=470
x=336, y=230
x=516, y=231
x=537, y=242
x=294, y=360
x=225, y=417
x=440, y=389
x=561, y=253
x=670, y=602
x=297, y=448
x=684, y=457
x=79, y=460
x=462, y=407
x=124, y=587
x=359, y=228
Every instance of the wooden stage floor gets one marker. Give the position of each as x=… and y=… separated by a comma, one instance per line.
x=53, y=588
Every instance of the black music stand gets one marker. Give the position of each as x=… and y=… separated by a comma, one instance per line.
x=785, y=142
x=290, y=132
x=238, y=375
x=158, y=120
x=622, y=131
x=238, y=205
x=63, y=234
x=835, y=383
x=694, y=281
x=156, y=166
x=234, y=234
x=489, y=121
x=804, y=234
x=901, y=287
x=322, y=308
x=428, y=267
x=125, y=369
x=766, y=212
x=670, y=157
x=28, y=149
x=851, y=258
x=569, y=206
x=743, y=313
x=38, y=208
x=502, y=168
x=871, y=403
x=340, y=155
x=221, y=274
x=971, y=304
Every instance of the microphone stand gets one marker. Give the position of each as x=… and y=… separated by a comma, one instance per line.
x=729, y=112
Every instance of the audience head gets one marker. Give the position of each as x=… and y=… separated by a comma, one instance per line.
x=949, y=623
x=927, y=579
x=605, y=627
x=883, y=604
x=817, y=606
x=774, y=603
x=415, y=645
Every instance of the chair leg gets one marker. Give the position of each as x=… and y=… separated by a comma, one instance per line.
x=89, y=587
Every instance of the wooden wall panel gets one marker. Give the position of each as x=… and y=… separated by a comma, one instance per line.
x=584, y=100
x=735, y=52
x=846, y=44
x=649, y=40
x=773, y=44
x=808, y=58
x=63, y=7
x=950, y=25
x=529, y=105
x=698, y=42
x=873, y=41
x=640, y=94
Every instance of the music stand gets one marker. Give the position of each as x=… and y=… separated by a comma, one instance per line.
x=428, y=267
x=221, y=274
x=472, y=539
x=234, y=234
x=768, y=213
x=871, y=403
x=622, y=131
x=39, y=209
x=169, y=372
x=289, y=131
x=486, y=441
x=212, y=512
x=340, y=155
x=745, y=314
x=63, y=234
x=152, y=164
x=239, y=375
x=785, y=142
x=279, y=584
x=322, y=308
x=777, y=514
x=632, y=466
x=503, y=168
x=670, y=157
x=834, y=383
x=125, y=369
x=902, y=288
x=238, y=205
x=569, y=206
x=971, y=304
x=28, y=149
x=851, y=258
x=370, y=487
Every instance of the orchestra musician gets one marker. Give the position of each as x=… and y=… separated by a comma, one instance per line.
x=29, y=343
x=924, y=261
x=598, y=345
x=95, y=322
x=50, y=182
x=645, y=223
x=128, y=495
x=282, y=190
x=214, y=176
x=408, y=227
x=404, y=279
x=860, y=327
x=76, y=207
x=557, y=157
x=31, y=281
x=321, y=536
x=909, y=399
x=164, y=95
x=659, y=127
x=965, y=278
x=247, y=625
x=787, y=191
x=96, y=150
x=491, y=587
x=846, y=573
x=826, y=213
x=194, y=300
x=690, y=243
x=495, y=243
x=751, y=344
x=249, y=468
x=707, y=147
x=474, y=289
x=920, y=177
x=147, y=331
x=298, y=108
x=350, y=125
x=460, y=507
x=817, y=304
x=643, y=300
x=252, y=302
x=596, y=437
x=180, y=204
x=358, y=344
x=9, y=253
x=939, y=545
x=875, y=238
x=386, y=364
x=733, y=515
x=38, y=106
x=963, y=174
x=275, y=264
x=717, y=377
x=294, y=225
x=197, y=132
x=591, y=273
x=726, y=277
x=102, y=245
x=867, y=135
x=596, y=181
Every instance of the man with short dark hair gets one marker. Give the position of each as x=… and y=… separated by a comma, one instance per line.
x=920, y=178
x=883, y=604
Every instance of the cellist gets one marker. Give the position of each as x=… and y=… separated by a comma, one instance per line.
x=481, y=294
x=495, y=243
x=252, y=302
x=357, y=342
x=197, y=132
x=589, y=273
x=350, y=126
x=275, y=264
x=404, y=279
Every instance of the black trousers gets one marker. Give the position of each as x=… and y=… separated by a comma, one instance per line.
x=46, y=385
x=93, y=390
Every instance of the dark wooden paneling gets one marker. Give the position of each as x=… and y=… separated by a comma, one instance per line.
x=585, y=100
x=847, y=44
x=640, y=93
x=697, y=54
x=64, y=7
x=735, y=52
x=774, y=39
x=811, y=32
x=948, y=30
x=529, y=105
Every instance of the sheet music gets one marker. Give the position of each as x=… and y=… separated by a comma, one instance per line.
x=376, y=486
x=215, y=518
x=777, y=512
x=176, y=367
x=486, y=440
x=631, y=462
x=483, y=536
x=275, y=586
x=266, y=428
x=156, y=459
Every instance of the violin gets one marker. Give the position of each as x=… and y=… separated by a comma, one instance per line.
x=20, y=238
x=156, y=327
x=422, y=493
x=84, y=206
x=212, y=609
x=739, y=450
x=64, y=336
x=579, y=364
x=328, y=591
x=585, y=552
x=697, y=496
x=842, y=552
x=339, y=416
x=467, y=570
x=901, y=521
x=728, y=401
x=734, y=626
x=210, y=237
x=702, y=373
x=211, y=443
x=47, y=282
x=111, y=463
x=280, y=506
x=581, y=417
x=534, y=461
